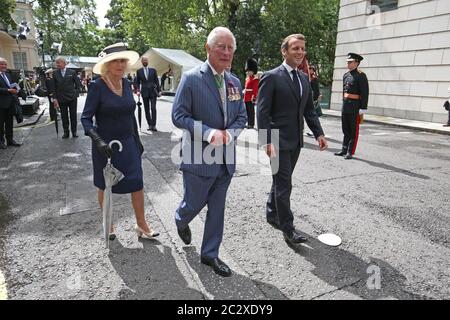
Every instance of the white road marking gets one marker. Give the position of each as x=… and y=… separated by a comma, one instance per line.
x=380, y=134
x=3, y=291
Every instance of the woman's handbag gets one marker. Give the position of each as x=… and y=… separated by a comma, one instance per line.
x=447, y=105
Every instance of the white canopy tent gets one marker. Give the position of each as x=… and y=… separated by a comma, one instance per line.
x=164, y=59
x=70, y=65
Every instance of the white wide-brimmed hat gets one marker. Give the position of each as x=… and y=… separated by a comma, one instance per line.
x=114, y=52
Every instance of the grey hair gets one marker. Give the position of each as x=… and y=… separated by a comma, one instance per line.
x=215, y=33
x=61, y=58
x=3, y=60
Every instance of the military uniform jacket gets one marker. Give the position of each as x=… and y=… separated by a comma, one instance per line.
x=355, y=82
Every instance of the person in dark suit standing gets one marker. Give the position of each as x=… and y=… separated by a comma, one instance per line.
x=209, y=108
x=355, y=99
x=148, y=87
x=66, y=88
x=284, y=100
x=8, y=100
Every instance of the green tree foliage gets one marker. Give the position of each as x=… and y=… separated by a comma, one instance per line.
x=72, y=22
x=7, y=8
x=259, y=27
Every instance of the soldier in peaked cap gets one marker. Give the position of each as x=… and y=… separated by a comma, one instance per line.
x=355, y=99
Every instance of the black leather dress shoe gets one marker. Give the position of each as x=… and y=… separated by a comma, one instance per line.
x=294, y=237
x=2, y=145
x=341, y=153
x=185, y=235
x=74, y=135
x=13, y=143
x=153, y=129
x=348, y=156
x=65, y=135
x=218, y=266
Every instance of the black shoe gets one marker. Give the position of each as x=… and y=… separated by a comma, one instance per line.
x=341, y=153
x=153, y=129
x=293, y=237
x=65, y=135
x=2, y=145
x=112, y=236
x=274, y=223
x=74, y=135
x=348, y=156
x=13, y=143
x=218, y=266
x=185, y=235
x=309, y=134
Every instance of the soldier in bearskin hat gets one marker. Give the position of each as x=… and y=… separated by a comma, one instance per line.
x=251, y=90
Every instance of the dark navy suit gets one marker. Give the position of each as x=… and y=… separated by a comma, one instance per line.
x=66, y=90
x=7, y=101
x=149, y=87
x=198, y=110
x=281, y=110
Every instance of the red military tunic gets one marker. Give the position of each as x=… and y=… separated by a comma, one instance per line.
x=251, y=89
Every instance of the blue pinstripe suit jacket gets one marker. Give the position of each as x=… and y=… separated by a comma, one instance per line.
x=198, y=109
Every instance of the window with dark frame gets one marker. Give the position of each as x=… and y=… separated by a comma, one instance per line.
x=384, y=5
x=20, y=60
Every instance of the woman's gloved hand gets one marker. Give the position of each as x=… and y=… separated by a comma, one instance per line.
x=101, y=145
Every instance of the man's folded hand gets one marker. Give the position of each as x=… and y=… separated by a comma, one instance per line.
x=219, y=138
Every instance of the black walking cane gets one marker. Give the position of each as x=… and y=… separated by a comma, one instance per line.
x=139, y=104
x=56, y=120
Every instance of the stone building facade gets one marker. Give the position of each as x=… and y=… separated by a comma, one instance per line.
x=406, y=49
x=22, y=55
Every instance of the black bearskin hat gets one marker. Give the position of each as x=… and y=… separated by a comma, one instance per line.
x=251, y=65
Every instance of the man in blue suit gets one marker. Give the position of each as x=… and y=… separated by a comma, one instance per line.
x=210, y=109
x=147, y=84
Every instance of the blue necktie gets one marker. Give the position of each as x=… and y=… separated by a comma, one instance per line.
x=297, y=85
x=5, y=78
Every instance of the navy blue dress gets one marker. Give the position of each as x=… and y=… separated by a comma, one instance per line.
x=114, y=120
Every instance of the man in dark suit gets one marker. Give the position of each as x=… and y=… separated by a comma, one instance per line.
x=8, y=100
x=285, y=98
x=147, y=84
x=66, y=88
x=209, y=108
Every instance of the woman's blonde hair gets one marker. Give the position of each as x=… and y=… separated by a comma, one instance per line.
x=104, y=67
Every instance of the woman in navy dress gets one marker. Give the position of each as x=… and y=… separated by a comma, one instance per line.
x=110, y=101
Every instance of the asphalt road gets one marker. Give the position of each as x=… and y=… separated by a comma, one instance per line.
x=390, y=205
